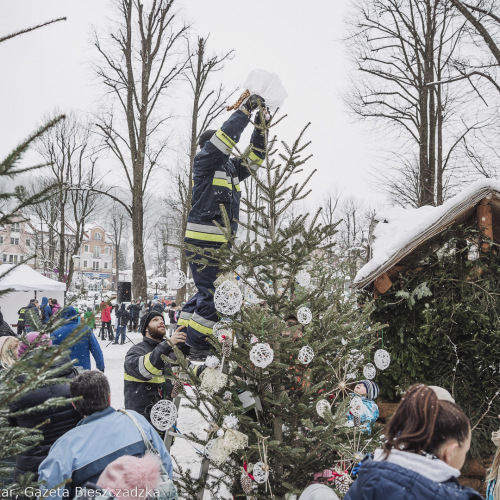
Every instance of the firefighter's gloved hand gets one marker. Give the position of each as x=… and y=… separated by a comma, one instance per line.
x=253, y=102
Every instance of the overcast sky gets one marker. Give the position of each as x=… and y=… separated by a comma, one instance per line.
x=299, y=41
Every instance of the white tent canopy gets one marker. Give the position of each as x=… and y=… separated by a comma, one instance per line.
x=27, y=284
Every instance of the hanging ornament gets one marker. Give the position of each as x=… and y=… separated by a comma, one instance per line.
x=176, y=279
x=322, y=406
x=229, y=442
x=342, y=482
x=260, y=472
x=230, y=422
x=306, y=355
x=369, y=371
x=261, y=355
x=177, y=388
x=228, y=298
x=220, y=433
x=246, y=483
x=304, y=315
x=382, y=359
x=303, y=278
x=212, y=379
x=163, y=414
x=227, y=346
x=268, y=388
x=356, y=406
x=227, y=396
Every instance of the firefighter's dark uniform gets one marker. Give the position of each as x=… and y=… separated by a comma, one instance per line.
x=216, y=181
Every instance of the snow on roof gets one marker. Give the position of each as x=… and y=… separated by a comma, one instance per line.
x=400, y=231
x=24, y=278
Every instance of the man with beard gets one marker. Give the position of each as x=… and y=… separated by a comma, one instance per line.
x=145, y=365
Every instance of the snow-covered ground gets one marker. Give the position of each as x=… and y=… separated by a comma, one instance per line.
x=188, y=421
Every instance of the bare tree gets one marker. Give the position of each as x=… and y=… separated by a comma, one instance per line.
x=68, y=150
x=138, y=68
x=117, y=222
x=407, y=50
x=208, y=104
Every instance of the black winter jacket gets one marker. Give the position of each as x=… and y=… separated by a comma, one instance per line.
x=61, y=419
x=145, y=382
x=216, y=180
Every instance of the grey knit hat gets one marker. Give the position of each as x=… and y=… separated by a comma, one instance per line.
x=371, y=389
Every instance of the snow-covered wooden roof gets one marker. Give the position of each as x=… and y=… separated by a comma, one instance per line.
x=400, y=232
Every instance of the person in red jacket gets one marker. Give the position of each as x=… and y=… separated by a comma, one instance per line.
x=106, y=321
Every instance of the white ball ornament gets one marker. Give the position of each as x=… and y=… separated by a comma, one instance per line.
x=212, y=361
x=228, y=298
x=176, y=279
x=306, y=355
x=356, y=406
x=220, y=433
x=369, y=371
x=260, y=472
x=304, y=316
x=261, y=355
x=322, y=406
x=382, y=359
x=230, y=422
x=303, y=278
x=163, y=414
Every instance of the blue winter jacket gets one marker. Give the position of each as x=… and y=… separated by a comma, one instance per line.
x=86, y=345
x=85, y=451
x=388, y=481
x=45, y=310
x=216, y=180
x=368, y=416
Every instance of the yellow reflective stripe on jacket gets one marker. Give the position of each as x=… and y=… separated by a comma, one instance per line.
x=238, y=188
x=200, y=328
x=222, y=182
x=195, y=235
x=225, y=139
x=156, y=380
x=255, y=159
x=149, y=367
x=182, y=322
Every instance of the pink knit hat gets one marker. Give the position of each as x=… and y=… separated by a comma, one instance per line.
x=35, y=339
x=131, y=477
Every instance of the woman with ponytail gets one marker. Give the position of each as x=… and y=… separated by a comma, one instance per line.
x=427, y=440
x=493, y=489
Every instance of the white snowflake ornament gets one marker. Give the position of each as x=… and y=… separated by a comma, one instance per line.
x=261, y=355
x=230, y=422
x=356, y=406
x=163, y=414
x=304, y=316
x=260, y=472
x=322, y=406
x=212, y=361
x=303, y=278
x=369, y=371
x=176, y=279
x=306, y=355
x=228, y=298
x=382, y=359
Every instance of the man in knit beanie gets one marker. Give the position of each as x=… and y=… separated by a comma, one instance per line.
x=363, y=411
x=146, y=365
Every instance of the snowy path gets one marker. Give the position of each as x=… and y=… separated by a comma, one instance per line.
x=188, y=421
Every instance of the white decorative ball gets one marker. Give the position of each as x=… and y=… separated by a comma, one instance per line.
x=261, y=355
x=220, y=433
x=369, y=371
x=212, y=361
x=303, y=278
x=163, y=414
x=382, y=359
x=260, y=473
x=306, y=355
x=230, y=422
x=227, y=396
x=176, y=279
x=322, y=406
x=356, y=406
x=227, y=298
x=304, y=315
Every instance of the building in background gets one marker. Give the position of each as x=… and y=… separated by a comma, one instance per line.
x=17, y=241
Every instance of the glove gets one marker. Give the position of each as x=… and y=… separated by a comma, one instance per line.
x=253, y=102
x=262, y=118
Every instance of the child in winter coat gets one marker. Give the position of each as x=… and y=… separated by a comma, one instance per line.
x=363, y=410
x=427, y=440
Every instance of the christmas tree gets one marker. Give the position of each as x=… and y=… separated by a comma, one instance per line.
x=276, y=394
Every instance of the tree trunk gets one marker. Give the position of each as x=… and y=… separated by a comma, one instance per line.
x=139, y=280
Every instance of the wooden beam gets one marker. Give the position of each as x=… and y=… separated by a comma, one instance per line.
x=485, y=222
x=383, y=283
